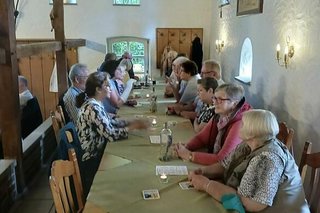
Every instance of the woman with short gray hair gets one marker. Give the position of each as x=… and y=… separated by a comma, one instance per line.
x=260, y=175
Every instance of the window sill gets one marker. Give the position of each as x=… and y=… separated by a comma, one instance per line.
x=243, y=79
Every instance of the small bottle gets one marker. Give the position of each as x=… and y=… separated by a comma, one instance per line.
x=165, y=143
x=153, y=104
x=146, y=80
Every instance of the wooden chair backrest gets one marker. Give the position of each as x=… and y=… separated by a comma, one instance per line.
x=312, y=187
x=58, y=121
x=285, y=135
x=61, y=172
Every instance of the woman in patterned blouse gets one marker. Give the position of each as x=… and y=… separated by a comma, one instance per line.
x=206, y=88
x=95, y=127
x=261, y=174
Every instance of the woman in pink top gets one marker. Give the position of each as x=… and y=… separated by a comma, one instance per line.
x=221, y=135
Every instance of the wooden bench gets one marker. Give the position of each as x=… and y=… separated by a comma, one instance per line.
x=38, y=149
x=8, y=189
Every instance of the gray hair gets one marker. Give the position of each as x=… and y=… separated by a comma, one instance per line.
x=76, y=70
x=259, y=124
x=212, y=65
x=180, y=60
x=126, y=63
x=234, y=91
x=23, y=80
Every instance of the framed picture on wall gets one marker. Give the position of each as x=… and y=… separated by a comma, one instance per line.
x=65, y=1
x=246, y=7
x=222, y=3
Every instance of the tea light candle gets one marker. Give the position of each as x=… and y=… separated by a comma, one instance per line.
x=154, y=122
x=163, y=178
x=147, y=95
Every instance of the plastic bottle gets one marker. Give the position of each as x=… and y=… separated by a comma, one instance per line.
x=165, y=143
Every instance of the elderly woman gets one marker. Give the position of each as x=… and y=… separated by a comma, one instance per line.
x=174, y=81
x=221, y=135
x=260, y=174
x=120, y=91
x=95, y=127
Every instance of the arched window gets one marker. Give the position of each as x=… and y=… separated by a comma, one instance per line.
x=245, y=67
x=138, y=47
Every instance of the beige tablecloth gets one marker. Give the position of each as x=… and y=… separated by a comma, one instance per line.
x=128, y=167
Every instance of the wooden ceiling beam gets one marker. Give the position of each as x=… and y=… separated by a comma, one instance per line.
x=26, y=50
x=74, y=43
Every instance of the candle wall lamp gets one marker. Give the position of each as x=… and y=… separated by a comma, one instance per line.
x=288, y=53
x=219, y=45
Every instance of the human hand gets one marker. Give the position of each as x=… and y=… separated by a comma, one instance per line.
x=199, y=182
x=139, y=124
x=182, y=151
x=170, y=109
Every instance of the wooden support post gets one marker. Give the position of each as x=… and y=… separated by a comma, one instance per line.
x=2, y=56
x=58, y=26
x=9, y=96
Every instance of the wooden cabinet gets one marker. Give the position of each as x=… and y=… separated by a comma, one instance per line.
x=180, y=39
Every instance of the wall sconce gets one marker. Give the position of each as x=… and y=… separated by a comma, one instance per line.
x=288, y=53
x=219, y=45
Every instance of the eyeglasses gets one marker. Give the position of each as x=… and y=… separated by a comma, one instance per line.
x=220, y=100
x=204, y=73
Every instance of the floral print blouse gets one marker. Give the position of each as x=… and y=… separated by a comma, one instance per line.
x=95, y=128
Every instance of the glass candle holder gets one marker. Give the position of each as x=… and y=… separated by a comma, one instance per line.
x=163, y=178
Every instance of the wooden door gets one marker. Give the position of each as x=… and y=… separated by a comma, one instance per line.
x=185, y=41
x=162, y=42
x=197, y=32
x=180, y=40
x=173, y=39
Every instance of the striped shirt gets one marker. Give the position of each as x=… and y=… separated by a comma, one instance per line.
x=69, y=100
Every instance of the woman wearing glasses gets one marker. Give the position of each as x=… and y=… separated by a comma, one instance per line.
x=221, y=135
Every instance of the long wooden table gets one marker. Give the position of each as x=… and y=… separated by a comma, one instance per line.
x=128, y=167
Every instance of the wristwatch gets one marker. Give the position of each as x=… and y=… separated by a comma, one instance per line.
x=190, y=157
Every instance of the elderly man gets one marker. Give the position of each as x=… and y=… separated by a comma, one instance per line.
x=78, y=75
x=24, y=93
x=127, y=59
x=211, y=69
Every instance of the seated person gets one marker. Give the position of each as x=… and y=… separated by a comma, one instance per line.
x=105, y=64
x=95, y=127
x=78, y=75
x=119, y=91
x=261, y=173
x=126, y=60
x=187, y=92
x=24, y=93
x=206, y=88
x=209, y=69
x=173, y=82
x=221, y=135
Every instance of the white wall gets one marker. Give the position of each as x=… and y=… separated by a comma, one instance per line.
x=95, y=20
x=293, y=93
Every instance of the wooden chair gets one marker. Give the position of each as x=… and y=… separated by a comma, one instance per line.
x=61, y=173
x=58, y=121
x=285, y=135
x=312, y=188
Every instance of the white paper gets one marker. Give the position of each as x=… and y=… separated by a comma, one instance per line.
x=171, y=170
x=155, y=139
x=54, y=79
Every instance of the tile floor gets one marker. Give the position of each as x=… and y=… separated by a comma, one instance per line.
x=38, y=198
